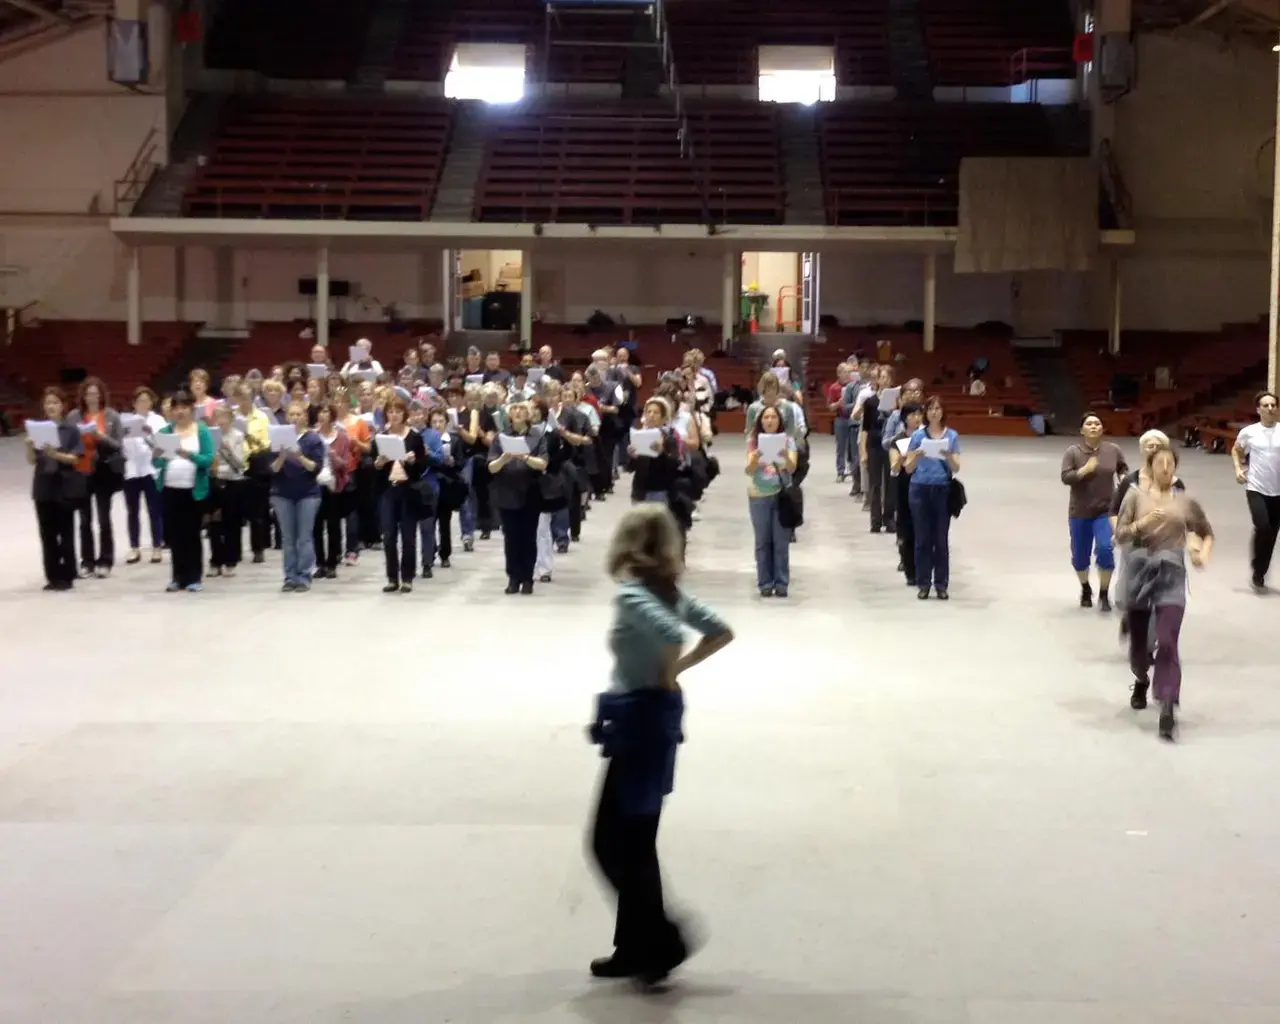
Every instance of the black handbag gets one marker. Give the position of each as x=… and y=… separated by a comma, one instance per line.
x=791, y=506
x=957, y=499
x=453, y=491
x=425, y=498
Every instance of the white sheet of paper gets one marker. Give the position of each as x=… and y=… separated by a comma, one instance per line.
x=284, y=437
x=317, y=370
x=512, y=445
x=391, y=447
x=367, y=417
x=475, y=378
x=901, y=444
x=453, y=417
x=88, y=428
x=43, y=433
x=167, y=444
x=935, y=448
x=217, y=437
x=132, y=424
x=771, y=447
x=536, y=373
x=889, y=399
x=645, y=441
x=783, y=373
x=356, y=354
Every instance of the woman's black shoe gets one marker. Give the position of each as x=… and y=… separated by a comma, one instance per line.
x=923, y=594
x=1086, y=596
x=911, y=581
x=613, y=967
x=526, y=587
x=406, y=588
x=1104, y=602
x=391, y=588
x=1168, y=724
x=484, y=534
x=1138, y=699
x=444, y=563
x=512, y=587
x=942, y=594
x=427, y=573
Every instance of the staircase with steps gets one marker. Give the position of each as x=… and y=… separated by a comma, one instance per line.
x=386, y=26
x=801, y=165
x=165, y=191
x=208, y=348
x=908, y=51
x=1048, y=373
x=456, y=194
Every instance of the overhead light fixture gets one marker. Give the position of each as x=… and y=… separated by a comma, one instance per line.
x=1276, y=48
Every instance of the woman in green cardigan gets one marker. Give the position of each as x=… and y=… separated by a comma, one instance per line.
x=183, y=479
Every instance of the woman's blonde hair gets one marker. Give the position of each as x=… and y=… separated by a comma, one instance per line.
x=1159, y=436
x=646, y=546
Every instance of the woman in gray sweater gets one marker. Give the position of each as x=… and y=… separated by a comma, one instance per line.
x=102, y=463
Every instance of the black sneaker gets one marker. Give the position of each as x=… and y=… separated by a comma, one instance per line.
x=1104, y=602
x=427, y=573
x=445, y=563
x=766, y=591
x=1168, y=724
x=1086, y=596
x=1259, y=585
x=512, y=587
x=1138, y=699
x=779, y=591
x=391, y=588
x=259, y=558
x=526, y=587
x=922, y=594
x=613, y=967
x=288, y=588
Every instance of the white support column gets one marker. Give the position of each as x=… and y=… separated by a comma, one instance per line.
x=526, y=300
x=730, y=296
x=1113, y=328
x=1273, y=320
x=322, y=296
x=930, y=300
x=448, y=315
x=134, y=285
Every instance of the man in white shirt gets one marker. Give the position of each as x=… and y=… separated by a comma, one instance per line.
x=1256, y=456
x=368, y=363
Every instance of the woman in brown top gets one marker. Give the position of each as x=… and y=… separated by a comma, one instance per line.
x=1163, y=526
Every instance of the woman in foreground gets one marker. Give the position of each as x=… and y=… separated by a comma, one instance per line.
x=638, y=726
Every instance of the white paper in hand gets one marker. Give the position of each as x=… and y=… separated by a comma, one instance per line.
x=167, y=444
x=284, y=437
x=356, y=354
x=217, y=437
x=132, y=424
x=317, y=370
x=772, y=448
x=935, y=448
x=902, y=444
x=783, y=373
x=391, y=447
x=512, y=445
x=889, y=399
x=43, y=433
x=647, y=443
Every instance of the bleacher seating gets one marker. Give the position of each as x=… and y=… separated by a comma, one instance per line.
x=54, y=350
x=997, y=42
x=432, y=30
x=899, y=164
x=620, y=163
x=330, y=158
x=272, y=343
x=294, y=39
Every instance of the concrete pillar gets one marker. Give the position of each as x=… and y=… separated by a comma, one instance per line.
x=322, y=296
x=449, y=316
x=179, y=283
x=730, y=295
x=526, y=300
x=1113, y=332
x=134, y=286
x=930, y=300
x=228, y=309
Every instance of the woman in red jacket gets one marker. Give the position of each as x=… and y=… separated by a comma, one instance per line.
x=334, y=481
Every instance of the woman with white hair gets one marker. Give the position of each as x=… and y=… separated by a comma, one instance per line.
x=638, y=727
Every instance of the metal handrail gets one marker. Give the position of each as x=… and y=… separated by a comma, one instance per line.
x=129, y=188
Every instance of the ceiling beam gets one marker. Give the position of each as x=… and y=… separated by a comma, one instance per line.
x=1213, y=9
x=40, y=11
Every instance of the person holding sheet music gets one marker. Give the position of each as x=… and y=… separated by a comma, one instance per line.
x=230, y=466
x=516, y=458
x=102, y=463
x=362, y=509
x=399, y=461
x=295, y=494
x=273, y=406
x=427, y=491
x=53, y=449
x=654, y=454
x=450, y=470
x=874, y=460
x=910, y=420
x=932, y=459
x=771, y=459
x=335, y=489
x=255, y=425
x=183, y=459
x=360, y=360
x=204, y=403
x=140, y=475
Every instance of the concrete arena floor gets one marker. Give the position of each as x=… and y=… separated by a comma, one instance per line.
x=246, y=807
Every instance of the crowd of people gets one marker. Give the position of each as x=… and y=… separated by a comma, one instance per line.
x=328, y=460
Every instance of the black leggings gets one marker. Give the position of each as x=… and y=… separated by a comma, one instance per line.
x=226, y=525
x=98, y=502
x=625, y=847
x=56, y=520
x=182, y=515
x=333, y=510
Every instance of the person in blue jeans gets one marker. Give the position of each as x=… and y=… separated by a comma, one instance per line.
x=765, y=481
x=933, y=458
x=429, y=509
x=295, y=498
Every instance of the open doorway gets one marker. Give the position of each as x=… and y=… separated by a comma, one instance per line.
x=771, y=290
x=492, y=72
x=797, y=74
x=490, y=282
